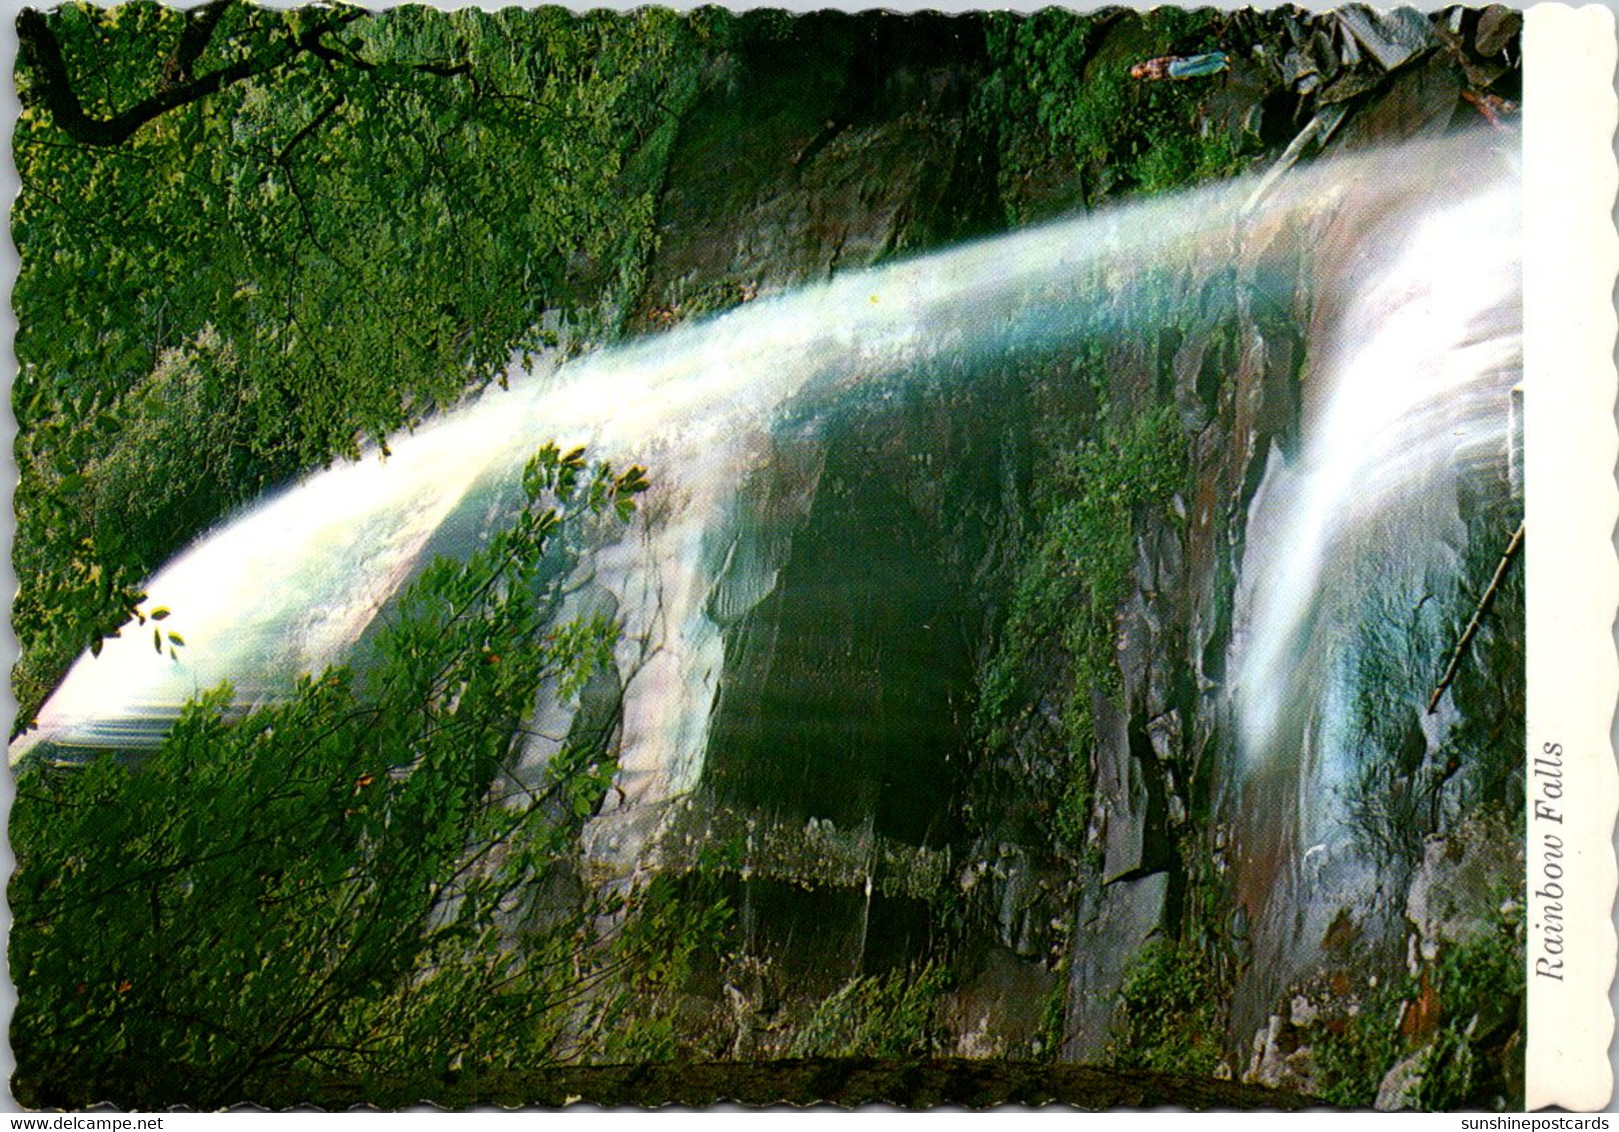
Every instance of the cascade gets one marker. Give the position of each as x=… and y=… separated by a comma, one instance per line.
x=1357, y=570
x=1405, y=393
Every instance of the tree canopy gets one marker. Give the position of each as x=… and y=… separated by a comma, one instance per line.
x=253, y=239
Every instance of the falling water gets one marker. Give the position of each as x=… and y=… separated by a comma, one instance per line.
x=1414, y=391
x=291, y=585
x=1352, y=582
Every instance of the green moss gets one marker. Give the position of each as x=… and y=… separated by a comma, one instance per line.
x=670, y=930
x=1053, y=1016
x=1074, y=808
x=1077, y=572
x=1177, y=160
x=1353, y=1054
x=1069, y=73
x=1481, y=983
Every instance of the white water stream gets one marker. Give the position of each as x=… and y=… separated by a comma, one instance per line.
x=290, y=585
x=1414, y=393
x=1359, y=568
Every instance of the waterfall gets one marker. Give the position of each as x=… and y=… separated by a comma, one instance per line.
x=290, y=585
x=1352, y=581
x=1413, y=391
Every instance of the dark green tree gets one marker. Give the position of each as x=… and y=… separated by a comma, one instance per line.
x=252, y=239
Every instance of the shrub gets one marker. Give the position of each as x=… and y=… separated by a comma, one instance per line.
x=1070, y=72
x=1473, y=1060
x=1170, y=1015
x=338, y=886
x=892, y=1015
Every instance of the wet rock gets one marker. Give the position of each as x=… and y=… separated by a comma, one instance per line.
x=1457, y=891
x=1297, y=65
x=1177, y=811
x=1125, y=916
x=1348, y=51
x=1497, y=28
x=1325, y=53
x=1022, y=910
x=1196, y=395
x=1137, y=633
x=1421, y=102
x=1245, y=106
x=1164, y=732
x=1121, y=792
x=1350, y=85
x=996, y=1012
x=808, y=160
x=1392, y=38
x=1341, y=933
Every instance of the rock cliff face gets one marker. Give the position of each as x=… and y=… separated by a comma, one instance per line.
x=822, y=143
x=872, y=827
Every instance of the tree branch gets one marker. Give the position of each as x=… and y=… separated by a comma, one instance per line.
x=199, y=29
x=310, y=127
x=51, y=87
x=432, y=67
x=1477, y=619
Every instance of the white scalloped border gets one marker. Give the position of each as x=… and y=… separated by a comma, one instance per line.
x=1571, y=255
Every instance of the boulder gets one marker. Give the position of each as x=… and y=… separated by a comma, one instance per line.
x=1400, y=1084
x=1281, y=1059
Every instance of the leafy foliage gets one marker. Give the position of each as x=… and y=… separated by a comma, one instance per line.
x=1069, y=73
x=350, y=884
x=1053, y=1014
x=672, y=928
x=1473, y=1059
x=324, y=224
x=1169, y=1017
x=1352, y=1056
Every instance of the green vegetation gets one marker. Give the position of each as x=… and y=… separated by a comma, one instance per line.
x=349, y=885
x=254, y=241
x=669, y=931
x=1354, y=1052
x=1070, y=73
x=1472, y=1059
x=1175, y=160
x=1073, y=579
x=1170, y=1015
x=251, y=239
x=1054, y=1014
x=892, y=1015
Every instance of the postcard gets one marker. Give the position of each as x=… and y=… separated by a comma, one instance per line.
x=705, y=555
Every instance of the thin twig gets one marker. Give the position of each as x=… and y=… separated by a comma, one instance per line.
x=1482, y=608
